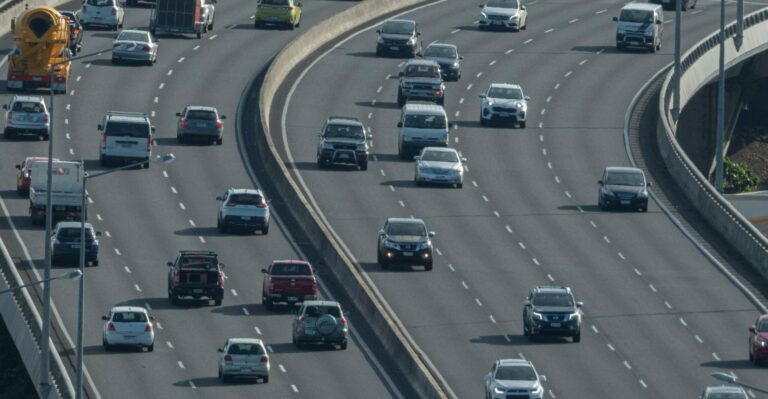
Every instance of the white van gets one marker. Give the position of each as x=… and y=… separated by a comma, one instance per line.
x=421, y=125
x=126, y=137
x=640, y=25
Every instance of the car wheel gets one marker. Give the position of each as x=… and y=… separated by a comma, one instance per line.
x=95, y=263
x=364, y=165
x=752, y=358
x=174, y=299
x=428, y=266
x=644, y=208
x=265, y=380
x=267, y=303
x=459, y=185
x=531, y=337
x=343, y=345
x=320, y=163
x=483, y=121
x=265, y=230
x=378, y=52
x=522, y=125
x=217, y=302
x=577, y=337
x=400, y=99
x=224, y=378
x=619, y=47
x=151, y=347
x=441, y=101
x=105, y=344
x=219, y=140
x=199, y=34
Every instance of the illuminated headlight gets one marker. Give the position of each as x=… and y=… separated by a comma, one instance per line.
x=761, y=341
x=642, y=194
x=498, y=391
x=412, y=40
x=538, y=389
x=513, y=17
x=327, y=146
x=455, y=65
x=483, y=15
x=537, y=316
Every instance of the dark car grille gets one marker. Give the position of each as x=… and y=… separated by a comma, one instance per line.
x=396, y=41
x=518, y=396
x=504, y=109
x=499, y=18
x=424, y=87
x=344, y=146
x=625, y=195
x=556, y=317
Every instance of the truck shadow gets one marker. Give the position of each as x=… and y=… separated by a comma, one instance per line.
x=237, y=310
x=24, y=223
x=379, y=104
x=198, y=231
x=156, y=303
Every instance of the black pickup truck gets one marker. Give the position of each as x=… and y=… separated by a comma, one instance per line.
x=196, y=274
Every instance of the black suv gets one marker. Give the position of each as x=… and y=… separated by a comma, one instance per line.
x=398, y=36
x=196, y=274
x=344, y=140
x=447, y=56
x=552, y=310
x=405, y=241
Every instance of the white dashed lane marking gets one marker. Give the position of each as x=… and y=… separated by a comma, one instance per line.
x=479, y=74
x=621, y=255
x=567, y=74
x=117, y=251
x=582, y=62
x=181, y=60
x=626, y=364
x=527, y=41
x=181, y=205
x=161, y=86
x=181, y=365
x=600, y=11
x=611, y=347
x=485, y=198
x=202, y=239
x=509, y=51
x=234, y=293
x=557, y=86
x=549, y=276
x=682, y=321
x=469, y=86
x=170, y=345
x=522, y=246
x=245, y=312
x=192, y=385
x=595, y=329
x=280, y=366
x=464, y=284
x=637, y=272
x=196, y=47
x=402, y=204
x=698, y=339
x=455, y=31
x=536, y=262
x=652, y=287
x=478, y=302
x=550, y=30
x=450, y=266
x=509, y=229
x=137, y=287
x=492, y=319
x=212, y=37
x=173, y=190
x=127, y=269
x=258, y=331
x=170, y=72
x=492, y=63
x=71, y=151
x=573, y=20
x=592, y=222
x=295, y=389
x=165, y=174
x=643, y=384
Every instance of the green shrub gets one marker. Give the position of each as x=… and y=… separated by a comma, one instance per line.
x=738, y=178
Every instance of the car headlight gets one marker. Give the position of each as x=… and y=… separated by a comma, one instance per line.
x=538, y=389
x=483, y=15
x=608, y=192
x=761, y=341
x=380, y=40
x=498, y=390
x=390, y=244
x=537, y=316
x=649, y=30
x=513, y=17
x=573, y=316
x=643, y=194
x=327, y=146
x=455, y=65
x=412, y=40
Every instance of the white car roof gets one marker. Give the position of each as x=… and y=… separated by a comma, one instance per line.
x=245, y=341
x=506, y=86
x=118, y=309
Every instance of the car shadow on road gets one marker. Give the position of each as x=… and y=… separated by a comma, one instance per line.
x=244, y=27
x=206, y=382
x=379, y=104
x=156, y=303
x=385, y=157
x=12, y=195
x=25, y=223
x=168, y=142
x=399, y=183
x=594, y=49
x=303, y=165
x=579, y=208
x=198, y=231
x=373, y=267
x=254, y=309
x=364, y=54
x=736, y=364
x=287, y=347
x=121, y=64
x=517, y=340
x=108, y=35
x=99, y=350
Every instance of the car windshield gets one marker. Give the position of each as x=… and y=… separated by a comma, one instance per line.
x=290, y=269
x=398, y=27
x=127, y=129
x=422, y=121
x=726, y=395
x=515, y=373
x=100, y=3
x=560, y=300
x=134, y=37
x=643, y=16
x=407, y=229
x=73, y=234
x=422, y=71
x=440, y=52
x=502, y=3
x=625, y=179
x=28, y=106
x=505, y=92
x=245, y=199
x=762, y=326
x=201, y=115
x=440, y=156
x=344, y=131
x=317, y=311
x=129, y=317
x=245, y=349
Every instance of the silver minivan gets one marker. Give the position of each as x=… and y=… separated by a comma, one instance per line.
x=421, y=125
x=640, y=25
x=126, y=137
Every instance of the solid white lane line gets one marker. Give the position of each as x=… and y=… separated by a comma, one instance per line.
x=181, y=365
x=137, y=287
x=127, y=269
x=170, y=345
x=181, y=205
x=478, y=302
x=536, y=261
x=509, y=229
x=652, y=287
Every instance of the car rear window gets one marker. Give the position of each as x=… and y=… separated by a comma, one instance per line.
x=440, y=51
x=290, y=269
x=245, y=349
x=28, y=106
x=275, y=2
x=317, y=311
x=440, y=156
x=134, y=36
x=70, y=234
x=100, y=3
x=129, y=317
x=245, y=199
x=201, y=115
x=127, y=129
x=763, y=326
x=205, y=262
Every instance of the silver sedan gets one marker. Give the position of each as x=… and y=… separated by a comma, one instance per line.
x=440, y=165
x=134, y=45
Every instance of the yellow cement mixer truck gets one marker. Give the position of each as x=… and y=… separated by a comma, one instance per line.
x=41, y=38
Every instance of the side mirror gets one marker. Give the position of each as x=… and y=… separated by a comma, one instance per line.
x=542, y=378
x=527, y=302
x=418, y=33
x=100, y=127
x=616, y=19
x=18, y=167
x=399, y=124
x=381, y=232
x=600, y=182
x=527, y=98
x=482, y=95
x=264, y=271
x=219, y=198
x=104, y=318
x=223, y=117
x=752, y=330
x=169, y=263
x=220, y=350
x=152, y=128
x=431, y=234
x=378, y=30
x=658, y=22
x=579, y=304
x=178, y=114
x=522, y=8
x=461, y=57
x=401, y=73
x=463, y=160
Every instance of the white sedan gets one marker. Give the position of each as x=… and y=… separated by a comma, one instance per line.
x=440, y=165
x=128, y=326
x=134, y=45
x=244, y=357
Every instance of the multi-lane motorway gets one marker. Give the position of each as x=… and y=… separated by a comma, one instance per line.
x=146, y=216
x=659, y=317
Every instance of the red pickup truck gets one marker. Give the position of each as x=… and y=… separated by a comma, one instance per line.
x=289, y=281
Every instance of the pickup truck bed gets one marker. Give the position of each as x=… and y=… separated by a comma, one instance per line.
x=288, y=281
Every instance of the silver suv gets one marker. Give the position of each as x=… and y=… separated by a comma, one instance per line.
x=421, y=80
x=344, y=140
x=320, y=322
x=244, y=209
x=126, y=137
x=27, y=115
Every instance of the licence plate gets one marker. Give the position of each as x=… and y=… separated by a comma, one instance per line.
x=309, y=332
x=394, y=48
x=126, y=145
x=407, y=253
x=200, y=124
x=197, y=290
x=624, y=202
x=59, y=208
x=129, y=336
x=555, y=324
x=344, y=156
x=292, y=298
x=75, y=246
x=274, y=18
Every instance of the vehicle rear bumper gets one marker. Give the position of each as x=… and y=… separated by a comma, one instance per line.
x=336, y=339
x=140, y=339
x=30, y=130
x=197, y=293
x=291, y=298
x=132, y=55
x=237, y=222
x=123, y=159
x=256, y=371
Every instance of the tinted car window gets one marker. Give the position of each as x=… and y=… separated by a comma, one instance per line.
x=625, y=179
x=244, y=199
x=502, y=3
x=317, y=311
x=245, y=349
x=398, y=27
x=201, y=115
x=206, y=262
x=762, y=326
x=516, y=373
x=553, y=300
x=275, y=2
x=344, y=131
x=100, y=3
x=729, y=395
x=440, y=156
x=73, y=234
x=28, y=106
x=134, y=36
x=130, y=317
x=283, y=269
x=425, y=121
x=127, y=129
x=406, y=229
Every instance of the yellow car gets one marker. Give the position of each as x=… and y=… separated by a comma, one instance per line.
x=278, y=12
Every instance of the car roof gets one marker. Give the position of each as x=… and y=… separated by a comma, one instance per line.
x=420, y=107
x=420, y=61
x=201, y=108
x=623, y=169
x=254, y=191
x=116, y=309
x=440, y=149
x=506, y=86
x=133, y=31
x=244, y=341
x=405, y=220
x=291, y=262
x=72, y=225
x=514, y=362
x=125, y=116
x=724, y=389
x=400, y=20
x=344, y=120
x=442, y=45
x=551, y=289
x=640, y=6
x=28, y=98
x=321, y=303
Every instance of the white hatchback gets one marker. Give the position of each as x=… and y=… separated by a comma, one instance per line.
x=128, y=326
x=244, y=357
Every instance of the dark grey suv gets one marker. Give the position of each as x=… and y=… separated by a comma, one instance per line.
x=320, y=322
x=552, y=310
x=344, y=140
x=421, y=80
x=405, y=241
x=199, y=122
x=398, y=36
x=447, y=56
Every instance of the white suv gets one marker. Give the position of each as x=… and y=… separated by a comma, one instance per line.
x=107, y=13
x=504, y=102
x=514, y=377
x=244, y=209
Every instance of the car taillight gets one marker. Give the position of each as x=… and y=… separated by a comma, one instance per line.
x=265, y=359
x=175, y=279
x=183, y=122
x=104, y=139
x=146, y=48
x=221, y=279
x=77, y=30
x=262, y=205
x=149, y=328
x=343, y=321
x=149, y=143
x=114, y=11
x=218, y=124
x=314, y=286
x=227, y=358
x=110, y=326
x=301, y=319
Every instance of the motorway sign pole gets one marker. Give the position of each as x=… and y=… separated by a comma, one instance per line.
x=45, y=349
x=720, y=106
x=678, y=69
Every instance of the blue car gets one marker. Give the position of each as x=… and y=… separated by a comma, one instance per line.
x=65, y=245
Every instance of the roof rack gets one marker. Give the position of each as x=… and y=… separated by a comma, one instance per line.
x=126, y=113
x=560, y=287
x=352, y=118
x=212, y=253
